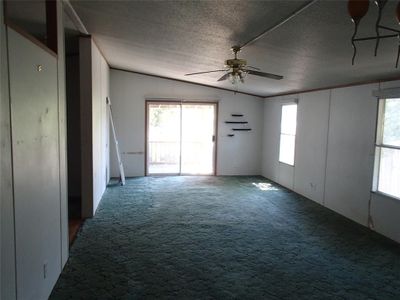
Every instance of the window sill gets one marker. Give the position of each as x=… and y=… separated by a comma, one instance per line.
x=286, y=164
x=385, y=195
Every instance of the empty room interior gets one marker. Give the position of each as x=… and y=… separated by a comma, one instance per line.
x=200, y=149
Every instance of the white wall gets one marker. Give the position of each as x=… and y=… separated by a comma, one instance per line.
x=36, y=166
x=350, y=159
x=334, y=154
x=94, y=88
x=240, y=155
x=33, y=196
x=313, y=116
x=100, y=121
x=7, y=245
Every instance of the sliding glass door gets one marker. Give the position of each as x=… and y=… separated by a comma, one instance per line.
x=198, y=134
x=180, y=138
x=164, y=138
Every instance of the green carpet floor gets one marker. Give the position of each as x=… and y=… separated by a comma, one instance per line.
x=224, y=238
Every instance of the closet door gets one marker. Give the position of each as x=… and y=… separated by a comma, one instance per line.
x=34, y=121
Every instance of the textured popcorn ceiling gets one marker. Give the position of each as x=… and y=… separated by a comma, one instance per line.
x=171, y=38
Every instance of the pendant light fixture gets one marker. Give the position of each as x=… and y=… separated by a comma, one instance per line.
x=357, y=10
x=398, y=12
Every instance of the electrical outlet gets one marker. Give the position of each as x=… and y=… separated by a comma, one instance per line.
x=45, y=270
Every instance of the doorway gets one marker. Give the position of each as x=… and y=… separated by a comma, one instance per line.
x=74, y=126
x=181, y=138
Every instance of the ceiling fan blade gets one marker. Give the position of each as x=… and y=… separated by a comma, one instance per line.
x=262, y=74
x=197, y=73
x=224, y=77
x=254, y=68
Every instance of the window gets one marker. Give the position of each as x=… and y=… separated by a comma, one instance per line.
x=288, y=133
x=387, y=162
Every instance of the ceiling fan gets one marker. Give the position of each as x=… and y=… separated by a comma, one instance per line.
x=236, y=70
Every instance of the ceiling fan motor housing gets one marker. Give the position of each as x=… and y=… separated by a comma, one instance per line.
x=236, y=63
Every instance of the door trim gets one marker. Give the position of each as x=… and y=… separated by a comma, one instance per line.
x=146, y=133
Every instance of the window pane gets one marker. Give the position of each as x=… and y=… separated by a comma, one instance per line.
x=391, y=125
x=288, y=121
x=197, y=143
x=286, y=150
x=389, y=172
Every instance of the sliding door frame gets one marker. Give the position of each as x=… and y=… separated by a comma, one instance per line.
x=179, y=102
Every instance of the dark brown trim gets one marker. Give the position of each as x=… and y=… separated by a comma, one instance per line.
x=216, y=138
x=173, y=100
x=72, y=54
x=30, y=37
x=51, y=25
x=166, y=100
x=51, y=28
x=145, y=136
x=162, y=100
x=186, y=81
x=334, y=87
x=86, y=127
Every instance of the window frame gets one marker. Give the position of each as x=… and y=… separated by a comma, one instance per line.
x=289, y=103
x=379, y=145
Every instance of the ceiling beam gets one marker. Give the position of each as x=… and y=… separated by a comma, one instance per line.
x=70, y=11
x=279, y=24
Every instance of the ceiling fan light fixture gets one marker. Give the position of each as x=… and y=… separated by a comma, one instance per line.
x=235, y=78
x=242, y=76
x=232, y=78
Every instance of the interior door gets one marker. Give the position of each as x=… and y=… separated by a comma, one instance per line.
x=180, y=138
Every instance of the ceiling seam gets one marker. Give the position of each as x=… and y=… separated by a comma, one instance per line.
x=70, y=11
x=279, y=24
